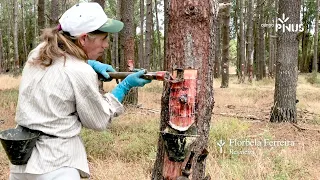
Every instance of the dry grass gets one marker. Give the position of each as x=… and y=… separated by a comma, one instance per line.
x=127, y=150
x=9, y=82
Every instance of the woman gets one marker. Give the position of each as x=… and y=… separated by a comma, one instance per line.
x=59, y=93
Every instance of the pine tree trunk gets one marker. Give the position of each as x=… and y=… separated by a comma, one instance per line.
x=41, y=17
x=217, y=63
x=127, y=45
x=242, y=44
x=116, y=37
x=284, y=108
x=166, y=14
x=1, y=53
x=141, y=46
x=35, y=21
x=55, y=12
x=190, y=33
x=158, y=37
x=149, y=31
x=225, y=31
x=275, y=40
x=272, y=42
x=236, y=27
x=261, y=47
x=8, y=59
x=25, y=50
x=15, y=36
x=249, y=40
x=315, y=51
x=256, y=58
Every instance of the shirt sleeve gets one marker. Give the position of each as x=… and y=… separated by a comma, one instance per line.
x=95, y=110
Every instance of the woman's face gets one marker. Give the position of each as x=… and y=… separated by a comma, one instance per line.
x=94, y=45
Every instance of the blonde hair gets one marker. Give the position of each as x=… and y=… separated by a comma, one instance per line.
x=58, y=44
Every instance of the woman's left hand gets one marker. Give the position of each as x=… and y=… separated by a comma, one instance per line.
x=101, y=68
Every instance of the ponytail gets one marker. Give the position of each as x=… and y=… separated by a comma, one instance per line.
x=58, y=44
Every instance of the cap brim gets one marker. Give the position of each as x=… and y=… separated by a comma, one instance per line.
x=112, y=26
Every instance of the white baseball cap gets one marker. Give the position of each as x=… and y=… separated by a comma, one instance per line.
x=87, y=17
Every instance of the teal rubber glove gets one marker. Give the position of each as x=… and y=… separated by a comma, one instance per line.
x=101, y=68
x=133, y=80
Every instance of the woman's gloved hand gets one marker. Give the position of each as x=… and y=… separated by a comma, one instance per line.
x=101, y=68
x=133, y=80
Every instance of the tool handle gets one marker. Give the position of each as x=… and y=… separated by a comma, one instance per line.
x=159, y=75
x=123, y=75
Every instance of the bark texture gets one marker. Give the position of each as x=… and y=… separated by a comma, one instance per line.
x=225, y=31
x=55, y=12
x=148, y=41
x=315, y=52
x=190, y=44
x=127, y=44
x=41, y=17
x=1, y=53
x=15, y=36
x=284, y=108
x=250, y=40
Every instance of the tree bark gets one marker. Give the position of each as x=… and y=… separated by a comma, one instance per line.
x=1, y=53
x=141, y=46
x=35, y=21
x=236, y=27
x=284, y=107
x=25, y=50
x=261, y=45
x=15, y=36
x=315, y=51
x=188, y=45
x=272, y=40
x=116, y=36
x=41, y=17
x=8, y=59
x=242, y=59
x=217, y=63
x=166, y=14
x=127, y=45
x=225, y=31
x=159, y=54
x=148, y=42
x=249, y=40
x=275, y=39
x=55, y=11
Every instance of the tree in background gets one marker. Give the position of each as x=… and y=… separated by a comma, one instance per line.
x=242, y=59
x=148, y=40
x=250, y=41
x=55, y=12
x=1, y=53
x=217, y=62
x=225, y=31
x=315, y=51
x=127, y=45
x=15, y=36
x=41, y=17
x=284, y=106
x=141, y=39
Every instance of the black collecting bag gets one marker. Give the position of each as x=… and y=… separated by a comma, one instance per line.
x=18, y=143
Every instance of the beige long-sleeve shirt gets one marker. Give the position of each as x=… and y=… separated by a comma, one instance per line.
x=59, y=100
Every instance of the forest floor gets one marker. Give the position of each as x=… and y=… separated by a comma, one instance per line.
x=254, y=149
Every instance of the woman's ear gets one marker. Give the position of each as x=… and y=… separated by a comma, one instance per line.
x=82, y=39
